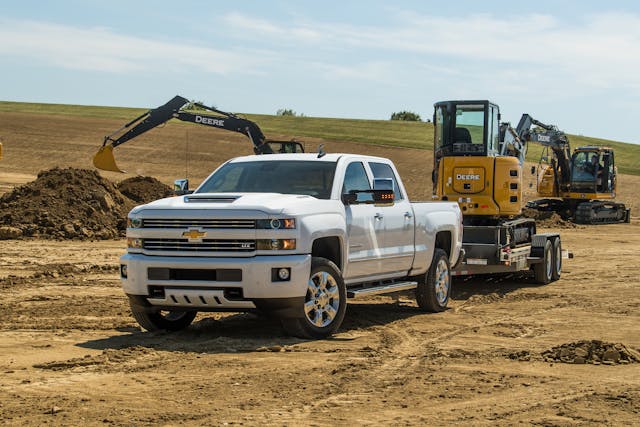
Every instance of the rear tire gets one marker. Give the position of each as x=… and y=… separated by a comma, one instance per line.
x=324, y=305
x=162, y=320
x=543, y=272
x=557, y=259
x=434, y=287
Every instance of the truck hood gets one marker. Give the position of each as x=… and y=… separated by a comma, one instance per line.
x=269, y=203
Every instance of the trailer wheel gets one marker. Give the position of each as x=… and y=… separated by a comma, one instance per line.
x=434, y=287
x=557, y=259
x=543, y=271
x=163, y=320
x=324, y=305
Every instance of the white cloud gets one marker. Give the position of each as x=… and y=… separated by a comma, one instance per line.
x=597, y=52
x=104, y=50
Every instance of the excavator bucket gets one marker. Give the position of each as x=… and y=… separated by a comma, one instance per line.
x=104, y=159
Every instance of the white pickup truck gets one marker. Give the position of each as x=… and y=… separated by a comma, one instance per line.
x=293, y=235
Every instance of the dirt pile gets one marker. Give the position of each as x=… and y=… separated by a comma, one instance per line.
x=547, y=219
x=65, y=204
x=595, y=352
x=144, y=189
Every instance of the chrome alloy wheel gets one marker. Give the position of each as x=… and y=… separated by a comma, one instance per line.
x=322, y=300
x=442, y=281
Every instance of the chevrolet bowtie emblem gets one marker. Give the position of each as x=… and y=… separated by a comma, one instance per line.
x=194, y=234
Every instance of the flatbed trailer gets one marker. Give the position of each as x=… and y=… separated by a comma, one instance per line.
x=492, y=249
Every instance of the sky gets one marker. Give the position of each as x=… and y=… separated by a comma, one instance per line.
x=575, y=64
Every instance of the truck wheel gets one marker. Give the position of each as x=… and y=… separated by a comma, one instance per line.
x=543, y=272
x=324, y=304
x=434, y=287
x=163, y=320
x=557, y=259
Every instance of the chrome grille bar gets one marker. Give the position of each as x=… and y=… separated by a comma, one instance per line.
x=203, y=223
x=210, y=245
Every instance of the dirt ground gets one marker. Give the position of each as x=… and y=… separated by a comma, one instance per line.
x=507, y=351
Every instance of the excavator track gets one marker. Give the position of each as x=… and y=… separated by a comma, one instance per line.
x=601, y=212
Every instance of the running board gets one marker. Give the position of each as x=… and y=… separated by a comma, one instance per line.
x=382, y=289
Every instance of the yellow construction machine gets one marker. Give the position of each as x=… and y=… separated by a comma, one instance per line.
x=579, y=186
x=478, y=162
x=182, y=109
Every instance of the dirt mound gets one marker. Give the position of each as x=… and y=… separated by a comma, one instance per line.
x=596, y=352
x=65, y=204
x=547, y=219
x=144, y=189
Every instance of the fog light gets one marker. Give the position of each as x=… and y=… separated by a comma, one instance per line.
x=283, y=273
x=123, y=271
x=280, y=274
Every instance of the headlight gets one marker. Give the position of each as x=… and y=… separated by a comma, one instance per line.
x=134, y=222
x=275, y=244
x=134, y=243
x=276, y=223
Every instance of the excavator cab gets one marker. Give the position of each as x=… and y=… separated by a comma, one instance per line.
x=593, y=172
x=470, y=166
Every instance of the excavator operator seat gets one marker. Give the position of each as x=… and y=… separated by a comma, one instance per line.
x=462, y=136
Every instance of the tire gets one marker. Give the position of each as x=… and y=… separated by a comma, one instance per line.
x=434, y=287
x=325, y=303
x=162, y=320
x=543, y=272
x=557, y=259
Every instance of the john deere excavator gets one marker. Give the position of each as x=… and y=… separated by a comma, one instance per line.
x=182, y=109
x=581, y=186
x=478, y=162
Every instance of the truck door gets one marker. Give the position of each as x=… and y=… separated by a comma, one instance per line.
x=397, y=247
x=363, y=229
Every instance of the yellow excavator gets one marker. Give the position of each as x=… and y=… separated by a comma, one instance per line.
x=182, y=109
x=579, y=186
x=478, y=162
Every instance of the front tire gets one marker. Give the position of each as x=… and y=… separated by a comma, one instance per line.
x=324, y=305
x=162, y=320
x=434, y=287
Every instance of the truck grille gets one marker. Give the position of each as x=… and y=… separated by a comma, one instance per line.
x=206, y=245
x=203, y=223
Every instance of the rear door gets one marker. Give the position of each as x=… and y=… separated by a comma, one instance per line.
x=397, y=245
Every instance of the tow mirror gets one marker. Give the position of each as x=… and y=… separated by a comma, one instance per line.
x=360, y=197
x=181, y=187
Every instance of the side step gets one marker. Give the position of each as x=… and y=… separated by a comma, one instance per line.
x=381, y=289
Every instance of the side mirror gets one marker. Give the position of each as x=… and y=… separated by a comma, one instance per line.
x=181, y=187
x=360, y=197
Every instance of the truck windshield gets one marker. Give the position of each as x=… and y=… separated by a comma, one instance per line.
x=312, y=178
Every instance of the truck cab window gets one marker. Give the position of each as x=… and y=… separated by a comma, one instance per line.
x=355, y=178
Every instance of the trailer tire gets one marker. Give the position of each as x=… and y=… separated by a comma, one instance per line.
x=543, y=271
x=434, y=287
x=557, y=259
x=325, y=303
x=162, y=321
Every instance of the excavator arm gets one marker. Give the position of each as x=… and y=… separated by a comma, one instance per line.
x=175, y=108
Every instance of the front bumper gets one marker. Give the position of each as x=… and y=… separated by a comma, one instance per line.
x=252, y=287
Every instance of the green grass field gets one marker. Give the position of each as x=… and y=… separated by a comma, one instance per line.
x=382, y=132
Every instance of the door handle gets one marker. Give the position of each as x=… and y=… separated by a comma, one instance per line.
x=408, y=215
x=378, y=216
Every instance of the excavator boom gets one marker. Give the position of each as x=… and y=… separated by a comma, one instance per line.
x=175, y=108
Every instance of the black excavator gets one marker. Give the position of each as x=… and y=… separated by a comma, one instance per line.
x=579, y=186
x=182, y=109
